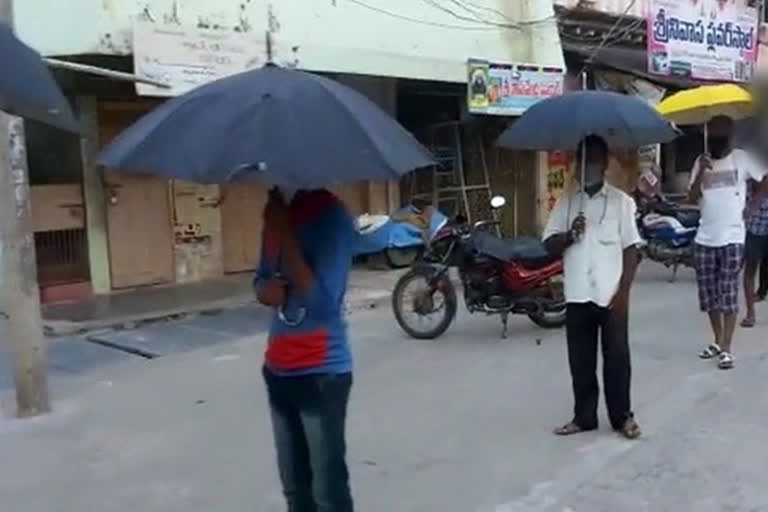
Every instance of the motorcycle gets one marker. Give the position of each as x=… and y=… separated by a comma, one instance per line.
x=668, y=230
x=498, y=276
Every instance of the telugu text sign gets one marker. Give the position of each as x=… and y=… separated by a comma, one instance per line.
x=703, y=39
x=185, y=58
x=509, y=89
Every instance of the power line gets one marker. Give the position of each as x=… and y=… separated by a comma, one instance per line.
x=493, y=10
x=487, y=24
x=477, y=19
x=416, y=20
x=615, y=25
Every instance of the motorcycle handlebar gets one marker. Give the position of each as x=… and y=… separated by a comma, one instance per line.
x=482, y=223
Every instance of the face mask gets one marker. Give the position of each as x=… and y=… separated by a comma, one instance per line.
x=593, y=174
x=718, y=145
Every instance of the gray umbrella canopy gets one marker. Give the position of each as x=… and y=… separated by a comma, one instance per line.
x=562, y=122
x=273, y=125
x=27, y=88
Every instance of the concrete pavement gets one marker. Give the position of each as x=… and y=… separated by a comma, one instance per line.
x=462, y=424
x=224, y=314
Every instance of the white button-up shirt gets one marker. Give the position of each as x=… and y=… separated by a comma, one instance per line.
x=594, y=263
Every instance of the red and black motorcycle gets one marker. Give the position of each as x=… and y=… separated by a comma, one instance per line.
x=499, y=276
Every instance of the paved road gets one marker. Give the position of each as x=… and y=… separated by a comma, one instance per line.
x=459, y=425
x=81, y=354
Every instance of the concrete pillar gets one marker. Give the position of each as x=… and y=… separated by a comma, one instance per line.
x=93, y=195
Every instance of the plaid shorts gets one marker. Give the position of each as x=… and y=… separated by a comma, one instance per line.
x=717, y=274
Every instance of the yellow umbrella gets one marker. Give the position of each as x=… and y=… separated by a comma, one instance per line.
x=701, y=104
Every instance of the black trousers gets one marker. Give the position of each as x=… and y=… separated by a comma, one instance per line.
x=308, y=418
x=584, y=322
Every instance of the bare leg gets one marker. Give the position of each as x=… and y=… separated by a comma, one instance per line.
x=750, y=271
x=729, y=324
x=716, y=321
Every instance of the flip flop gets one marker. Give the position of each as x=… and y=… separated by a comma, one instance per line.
x=747, y=322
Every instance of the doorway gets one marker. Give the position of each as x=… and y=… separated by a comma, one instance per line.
x=140, y=234
x=242, y=208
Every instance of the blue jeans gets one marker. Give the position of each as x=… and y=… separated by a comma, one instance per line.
x=308, y=418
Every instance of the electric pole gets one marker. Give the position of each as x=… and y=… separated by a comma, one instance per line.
x=19, y=292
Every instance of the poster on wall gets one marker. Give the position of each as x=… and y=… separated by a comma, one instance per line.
x=703, y=39
x=558, y=176
x=500, y=89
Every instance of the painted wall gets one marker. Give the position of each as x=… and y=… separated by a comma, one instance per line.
x=399, y=38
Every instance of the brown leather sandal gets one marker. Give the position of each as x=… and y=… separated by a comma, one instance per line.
x=568, y=429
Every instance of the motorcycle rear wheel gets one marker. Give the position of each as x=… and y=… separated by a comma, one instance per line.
x=554, y=318
x=444, y=287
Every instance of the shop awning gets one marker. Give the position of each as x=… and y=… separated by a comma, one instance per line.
x=627, y=59
x=100, y=71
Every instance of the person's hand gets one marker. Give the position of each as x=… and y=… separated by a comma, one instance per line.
x=272, y=293
x=704, y=163
x=578, y=226
x=620, y=302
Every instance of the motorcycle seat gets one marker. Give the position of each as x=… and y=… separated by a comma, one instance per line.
x=529, y=252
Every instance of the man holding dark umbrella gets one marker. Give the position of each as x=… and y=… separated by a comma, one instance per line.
x=306, y=256
x=594, y=228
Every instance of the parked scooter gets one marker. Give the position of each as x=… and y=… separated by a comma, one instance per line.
x=668, y=230
x=499, y=276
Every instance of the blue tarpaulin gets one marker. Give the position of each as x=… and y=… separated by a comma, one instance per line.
x=393, y=234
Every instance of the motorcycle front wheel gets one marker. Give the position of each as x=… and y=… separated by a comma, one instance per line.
x=424, y=309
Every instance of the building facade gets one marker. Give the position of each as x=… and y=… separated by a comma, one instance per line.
x=99, y=231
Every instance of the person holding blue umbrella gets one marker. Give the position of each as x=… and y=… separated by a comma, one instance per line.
x=297, y=133
x=593, y=227
x=307, y=253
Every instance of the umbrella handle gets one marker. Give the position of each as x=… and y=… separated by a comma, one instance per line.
x=706, y=139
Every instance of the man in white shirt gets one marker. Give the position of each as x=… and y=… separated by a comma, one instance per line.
x=596, y=232
x=719, y=187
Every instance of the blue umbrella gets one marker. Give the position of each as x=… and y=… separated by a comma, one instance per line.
x=562, y=122
x=273, y=125
x=27, y=88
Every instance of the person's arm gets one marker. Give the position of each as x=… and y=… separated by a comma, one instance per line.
x=755, y=172
x=294, y=264
x=697, y=176
x=270, y=291
x=630, y=239
x=558, y=236
x=292, y=261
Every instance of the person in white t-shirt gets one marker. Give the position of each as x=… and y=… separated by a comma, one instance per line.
x=596, y=232
x=719, y=187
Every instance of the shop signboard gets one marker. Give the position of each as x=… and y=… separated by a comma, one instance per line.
x=502, y=89
x=186, y=57
x=703, y=39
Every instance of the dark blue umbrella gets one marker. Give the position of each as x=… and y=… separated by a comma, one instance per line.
x=27, y=88
x=273, y=125
x=562, y=122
